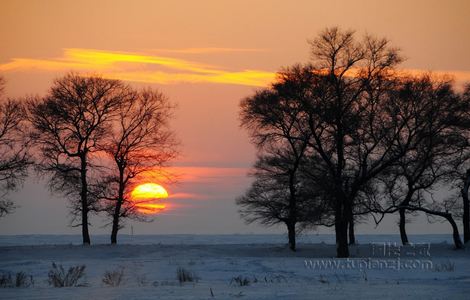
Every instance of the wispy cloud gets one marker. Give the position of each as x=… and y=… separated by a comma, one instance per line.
x=208, y=50
x=161, y=68
x=142, y=67
x=459, y=76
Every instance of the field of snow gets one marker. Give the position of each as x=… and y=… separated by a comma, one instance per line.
x=240, y=266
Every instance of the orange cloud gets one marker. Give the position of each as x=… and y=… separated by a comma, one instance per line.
x=142, y=68
x=150, y=208
x=458, y=76
x=208, y=50
x=139, y=67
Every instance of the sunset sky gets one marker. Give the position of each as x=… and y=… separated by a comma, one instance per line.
x=205, y=56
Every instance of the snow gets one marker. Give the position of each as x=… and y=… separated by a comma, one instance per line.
x=150, y=263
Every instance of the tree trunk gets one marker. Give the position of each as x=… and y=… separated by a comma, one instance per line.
x=466, y=209
x=84, y=199
x=455, y=232
x=341, y=231
x=292, y=207
x=115, y=228
x=114, y=231
x=291, y=235
x=402, y=224
x=352, y=236
x=117, y=208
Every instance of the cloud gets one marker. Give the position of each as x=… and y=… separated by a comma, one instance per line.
x=208, y=50
x=163, y=69
x=143, y=68
x=459, y=76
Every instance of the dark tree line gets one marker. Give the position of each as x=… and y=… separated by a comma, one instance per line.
x=91, y=136
x=355, y=138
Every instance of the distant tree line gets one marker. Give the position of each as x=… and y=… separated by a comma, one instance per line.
x=348, y=136
x=92, y=137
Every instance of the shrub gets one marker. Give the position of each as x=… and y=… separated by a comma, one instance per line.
x=21, y=279
x=59, y=278
x=240, y=281
x=113, y=278
x=5, y=280
x=184, y=275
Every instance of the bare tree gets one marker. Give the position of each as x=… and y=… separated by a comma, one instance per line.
x=343, y=105
x=14, y=156
x=466, y=181
x=274, y=123
x=466, y=207
x=140, y=141
x=354, y=128
x=433, y=108
x=349, y=116
x=67, y=126
x=269, y=199
x=362, y=121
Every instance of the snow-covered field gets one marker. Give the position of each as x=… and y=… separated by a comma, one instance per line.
x=240, y=266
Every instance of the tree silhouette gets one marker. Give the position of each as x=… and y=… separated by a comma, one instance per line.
x=14, y=156
x=140, y=140
x=342, y=103
x=67, y=126
x=432, y=108
x=275, y=126
x=352, y=120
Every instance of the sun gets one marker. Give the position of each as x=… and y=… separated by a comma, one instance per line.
x=149, y=191
x=145, y=195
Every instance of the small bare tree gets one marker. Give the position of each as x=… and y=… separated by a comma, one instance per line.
x=140, y=141
x=282, y=194
x=275, y=124
x=68, y=124
x=14, y=157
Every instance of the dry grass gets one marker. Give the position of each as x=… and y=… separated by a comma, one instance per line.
x=59, y=278
x=113, y=278
x=19, y=280
x=184, y=275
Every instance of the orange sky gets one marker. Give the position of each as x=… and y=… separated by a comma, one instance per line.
x=206, y=56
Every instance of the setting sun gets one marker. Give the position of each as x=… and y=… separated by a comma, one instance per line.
x=144, y=194
x=149, y=191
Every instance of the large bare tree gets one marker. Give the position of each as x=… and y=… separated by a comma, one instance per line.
x=344, y=106
x=68, y=124
x=353, y=118
x=140, y=141
x=14, y=157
